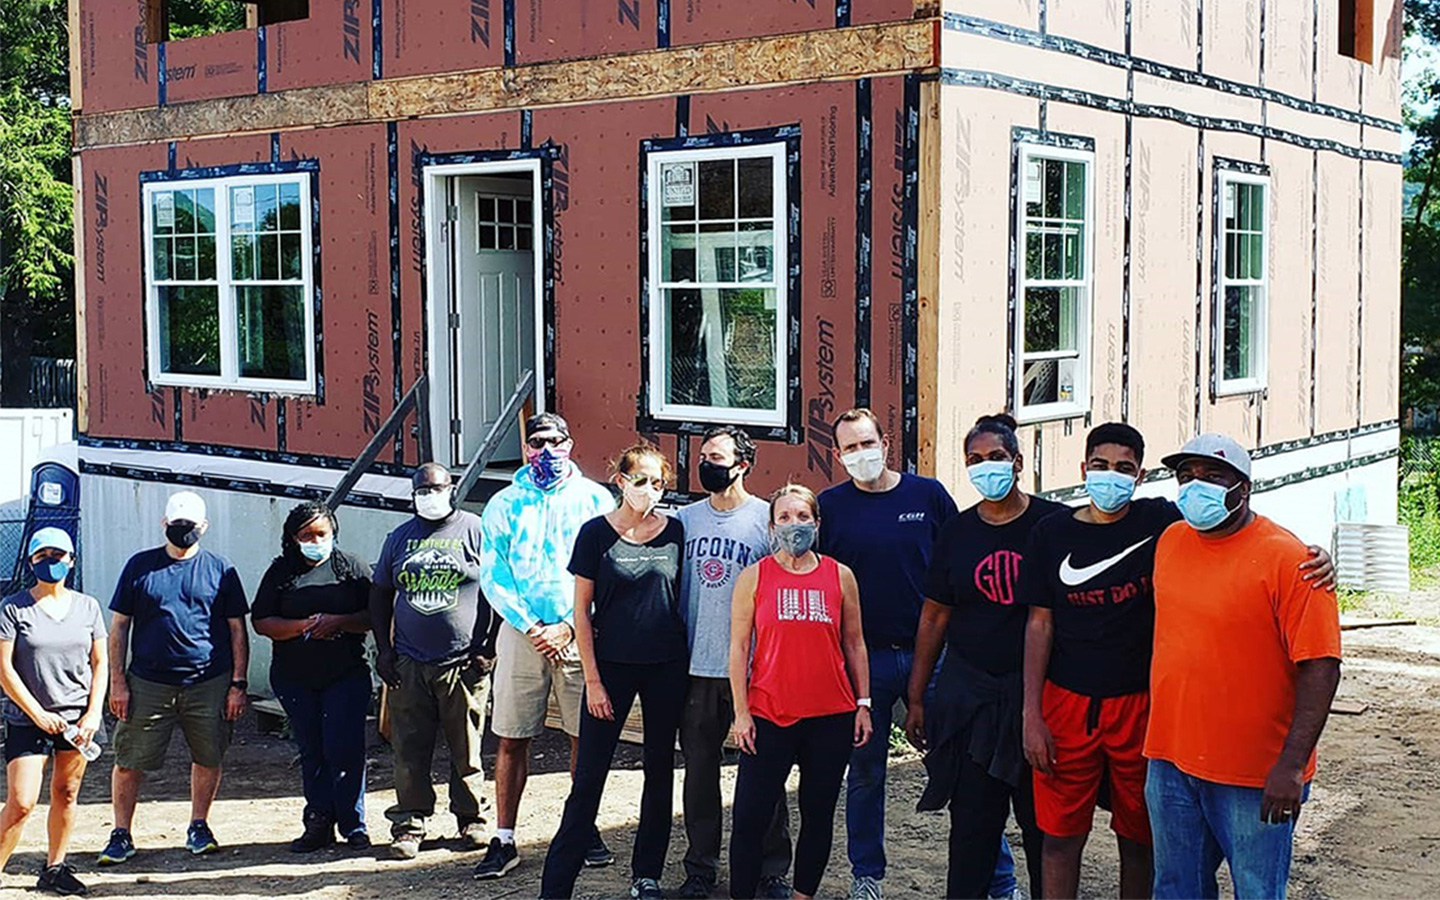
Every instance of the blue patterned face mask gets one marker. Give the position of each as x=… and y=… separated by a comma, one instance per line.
x=1109, y=491
x=549, y=466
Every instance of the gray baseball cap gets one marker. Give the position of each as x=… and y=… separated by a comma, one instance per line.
x=1212, y=446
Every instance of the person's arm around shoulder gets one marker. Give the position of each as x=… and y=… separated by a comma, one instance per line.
x=19, y=694
x=99, y=674
x=742, y=625
x=857, y=660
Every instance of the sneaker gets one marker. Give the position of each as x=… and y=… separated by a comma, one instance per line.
x=199, y=839
x=646, y=889
x=60, y=879
x=864, y=887
x=696, y=887
x=599, y=855
x=1017, y=894
x=318, y=835
x=359, y=839
x=405, y=846
x=119, y=849
x=775, y=887
x=499, y=859
x=472, y=835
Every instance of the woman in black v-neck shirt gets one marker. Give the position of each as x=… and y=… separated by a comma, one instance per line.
x=312, y=603
x=633, y=642
x=975, y=757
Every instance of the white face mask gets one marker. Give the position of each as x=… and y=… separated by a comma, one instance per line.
x=641, y=498
x=433, y=506
x=865, y=465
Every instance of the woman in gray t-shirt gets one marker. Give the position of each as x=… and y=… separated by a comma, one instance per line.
x=53, y=672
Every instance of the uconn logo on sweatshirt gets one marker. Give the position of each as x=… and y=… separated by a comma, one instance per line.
x=716, y=558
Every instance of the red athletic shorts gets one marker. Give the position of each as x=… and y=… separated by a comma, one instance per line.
x=1088, y=747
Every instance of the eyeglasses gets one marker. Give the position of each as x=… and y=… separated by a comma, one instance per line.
x=640, y=479
x=538, y=442
x=428, y=489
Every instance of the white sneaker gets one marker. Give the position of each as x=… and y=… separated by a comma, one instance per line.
x=1017, y=894
x=865, y=888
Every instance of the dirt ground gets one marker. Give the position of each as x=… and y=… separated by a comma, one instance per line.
x=1372, y=828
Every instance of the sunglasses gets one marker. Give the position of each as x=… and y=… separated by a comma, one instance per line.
x=540, y=443
x=640, y=480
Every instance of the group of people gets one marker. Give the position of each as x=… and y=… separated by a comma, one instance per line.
x=1173, y=662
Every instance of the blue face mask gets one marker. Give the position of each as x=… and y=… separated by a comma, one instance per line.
x=51, y=570
x=1203, y=504
x=319, y=551
x=993, y=479
x=1109, y=491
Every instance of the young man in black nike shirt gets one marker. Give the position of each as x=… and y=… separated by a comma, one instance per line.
x=1087, y=578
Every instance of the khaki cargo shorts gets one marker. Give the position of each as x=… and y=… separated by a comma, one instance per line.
x=524, y=681
x=155, y=709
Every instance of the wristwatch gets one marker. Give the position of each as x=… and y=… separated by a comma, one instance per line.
x=240, y=683
x=863, y=701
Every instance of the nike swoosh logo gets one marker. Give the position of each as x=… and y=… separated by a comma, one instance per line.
x=1075, y=577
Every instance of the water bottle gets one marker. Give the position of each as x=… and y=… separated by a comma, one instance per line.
x=90, y=750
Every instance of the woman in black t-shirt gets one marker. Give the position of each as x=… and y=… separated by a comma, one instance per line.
x=312, y=603
x=632, y=640
x=975, y=757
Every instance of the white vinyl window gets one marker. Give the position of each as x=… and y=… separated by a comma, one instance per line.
x=228, y=283
x=1054, y=283
x=1244, y=282
x=717, y=329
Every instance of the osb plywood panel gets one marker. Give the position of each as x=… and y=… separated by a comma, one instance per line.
x=1162, y=281
x=705, y=21
x=1337, y=77
x=974, y=272
x=1100, y=22
x=118, y=403
x=571, y=29
x=302, y=107
x=217, y=65
x=333, y=45
x=1108, y=240
x=1337, y=262
x=1380, y=329
x=355, y=277
x=1165, y=31
x=231, y=418
x=1289, y=46
x=441, y=37
x=973, y=51
x=117, y=66
x=1287, y=410
x=1232, y=39
x=1021, y=13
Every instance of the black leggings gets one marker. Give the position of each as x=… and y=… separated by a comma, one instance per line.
x=979, y=807
x=661, y=688
x=822, y=748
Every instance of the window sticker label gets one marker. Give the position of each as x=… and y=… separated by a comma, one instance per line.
x=243, y=201
x=677, y=181
x=165, y=210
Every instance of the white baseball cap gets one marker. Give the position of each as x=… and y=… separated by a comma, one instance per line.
x=1212, y=446
x=185, y=506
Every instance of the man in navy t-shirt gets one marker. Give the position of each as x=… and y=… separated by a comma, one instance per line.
x=882, y=524
x=179, y=611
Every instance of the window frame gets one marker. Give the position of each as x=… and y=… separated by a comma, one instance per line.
x=1080, y=404
x=778, y=150
x=1258, y=382
x=226, y=286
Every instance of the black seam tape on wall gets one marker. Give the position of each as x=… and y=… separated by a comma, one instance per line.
x=1360, y=303
x=864, y=202
x=280, y=436
x=682, y=115
x=508, y=11
x=1199, y=36
x=547, y=266
x=317, y=276
x=245, y=168
x=247, y=453
x=527, y=119
x=260, y=67
x=910, y=297
x=1127, y=243
x=392, y=178
x=1199, y=271
x=1012, y=283
x=238, y=485
x=1093, y=53
x=160, y=74
x=1314, y=281
x=662, y=23
x=377, y=42
x=682, y=463
x=1217, y=236
x=1223, y=164
x=178, y=409
x=1038, y=90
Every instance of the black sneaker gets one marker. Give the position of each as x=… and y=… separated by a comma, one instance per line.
x=318, y=835
x=598, y=856
x=119, y=849
x=646, y=889
x=696, y=887
x=60, y=879
x=499, y=859
x=359, y=839
x=775, y=887
x=199, y=839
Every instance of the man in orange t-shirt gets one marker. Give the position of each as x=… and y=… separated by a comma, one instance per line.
x=1247, y=659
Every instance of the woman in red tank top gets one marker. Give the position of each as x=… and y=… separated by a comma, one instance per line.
x=805, y=696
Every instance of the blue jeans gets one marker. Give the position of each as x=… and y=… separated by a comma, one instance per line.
x=865, y=784
x=1197, y=823
x=328, y=724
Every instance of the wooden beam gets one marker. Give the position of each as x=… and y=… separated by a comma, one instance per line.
x=928, y=272
x=82, y=372
x=835, y=54
x=73, y=24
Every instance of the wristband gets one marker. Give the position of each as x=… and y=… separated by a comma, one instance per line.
x=863, y=702
x=239, y=684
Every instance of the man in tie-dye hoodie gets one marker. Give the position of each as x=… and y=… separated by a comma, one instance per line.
x=529, y=530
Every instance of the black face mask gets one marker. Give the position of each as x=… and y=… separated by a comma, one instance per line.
x=183, y=534
x=714, y=477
